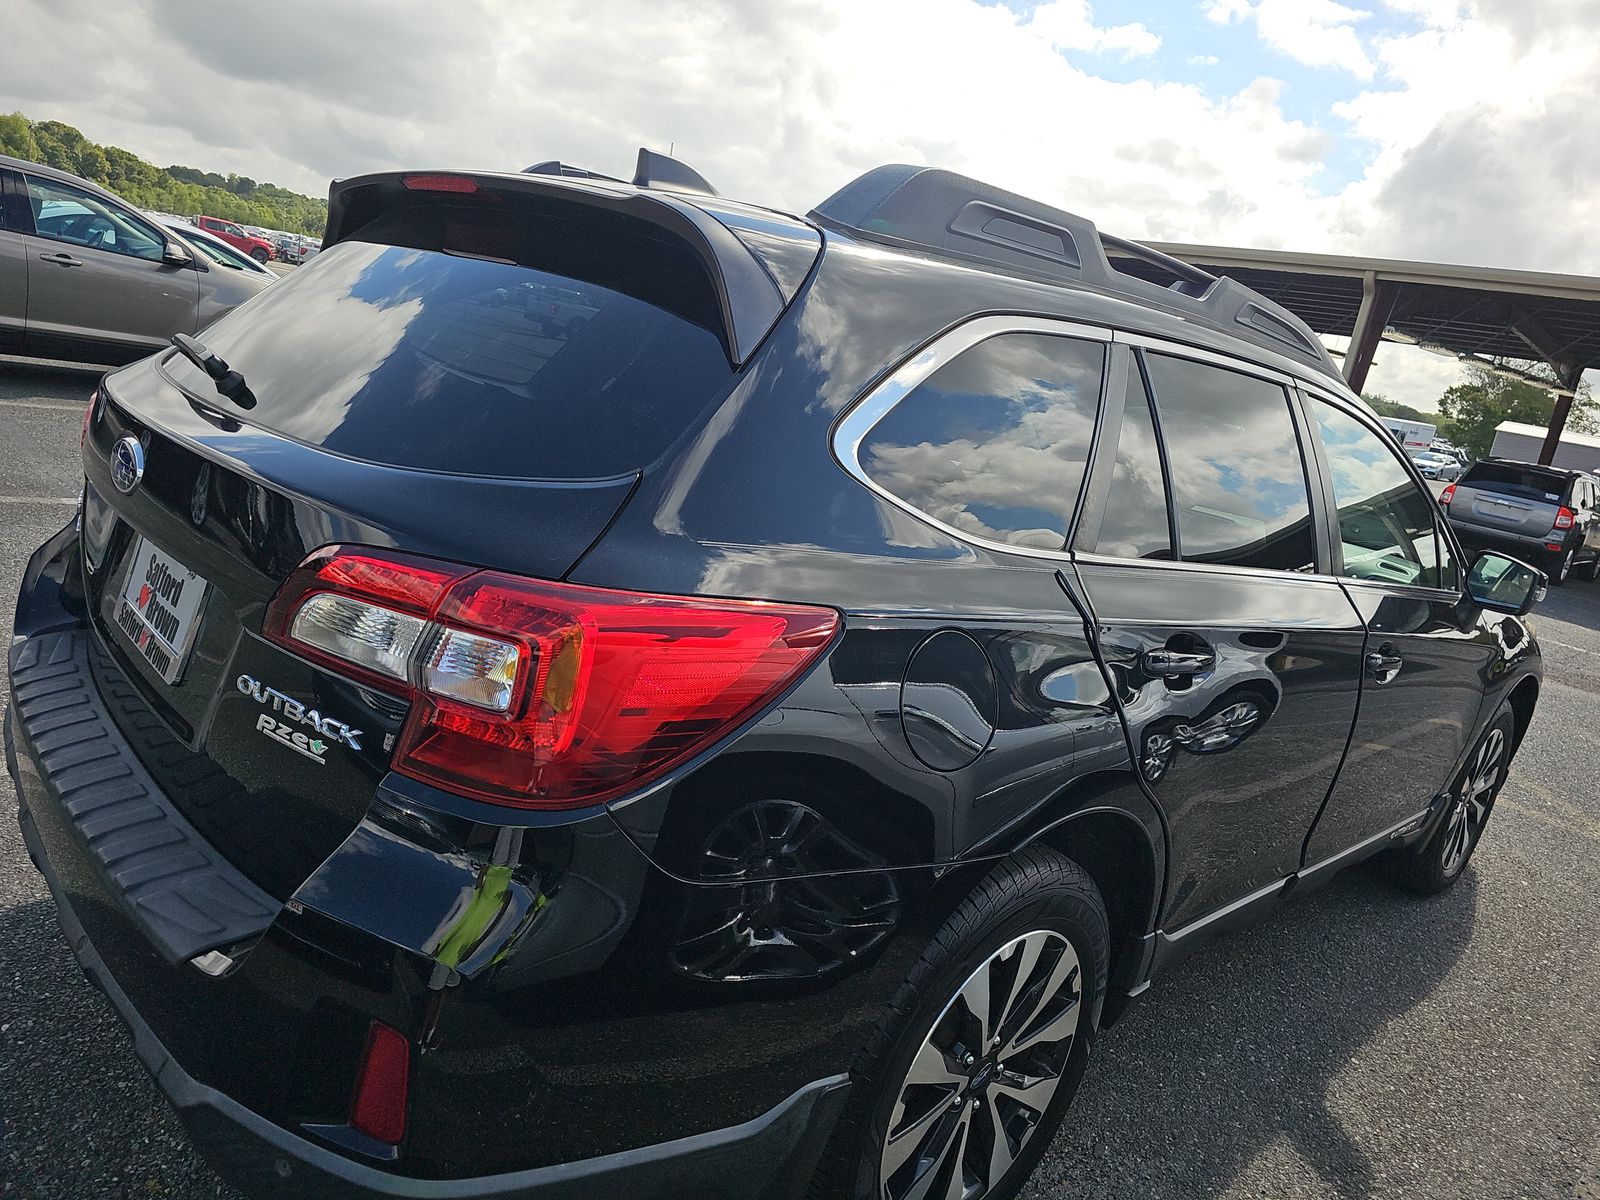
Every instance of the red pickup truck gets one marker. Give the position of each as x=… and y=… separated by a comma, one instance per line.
x=257, y=248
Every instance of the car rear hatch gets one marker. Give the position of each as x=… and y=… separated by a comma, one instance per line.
x=1515, y=498
x=401, y=391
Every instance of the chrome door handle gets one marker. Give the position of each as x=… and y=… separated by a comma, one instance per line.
x=1384, y=665
x=1175, y=664
x=62, y=260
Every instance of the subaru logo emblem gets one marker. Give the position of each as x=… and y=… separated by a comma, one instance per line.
x=127, y=464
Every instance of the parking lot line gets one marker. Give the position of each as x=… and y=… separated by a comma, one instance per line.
x=38, y=499
x=77, y=408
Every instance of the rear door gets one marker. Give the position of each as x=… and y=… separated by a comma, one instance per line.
x=96, y=275
x=1236, y=660
x=1422, y=681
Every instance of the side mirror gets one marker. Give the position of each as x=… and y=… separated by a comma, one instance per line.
x=1501, y=583
x=176, y=256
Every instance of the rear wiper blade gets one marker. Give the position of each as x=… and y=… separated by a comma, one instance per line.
x=229, y=382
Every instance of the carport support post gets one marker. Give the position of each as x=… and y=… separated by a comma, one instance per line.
x=1377, y=306
x=1558, y=422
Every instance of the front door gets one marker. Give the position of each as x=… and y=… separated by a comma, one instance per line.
x=1236, y=664
x=96, y=277
x=1422, y=681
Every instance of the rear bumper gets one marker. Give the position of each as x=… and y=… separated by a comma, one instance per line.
x=763, y=1157
x=1477, y=537
x=554, y=1062
x=772, y=1155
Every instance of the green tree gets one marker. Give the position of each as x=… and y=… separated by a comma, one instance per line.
x=16, y=137
x=175, y=189
x=1484, y=398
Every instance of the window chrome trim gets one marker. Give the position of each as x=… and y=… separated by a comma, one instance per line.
x=860, y=418
x=1090, y=559
x=1281, y=370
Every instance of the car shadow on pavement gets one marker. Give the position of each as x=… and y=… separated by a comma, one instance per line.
x=28, y=377
x=1234, y=1054
x=79, y=1117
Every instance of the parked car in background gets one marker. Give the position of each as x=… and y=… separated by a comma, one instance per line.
x=88, y=277
x=215, y=249
x=1546, y=515
x=295, y=248
x=258, y=248
x=1436, y=465
x=744, y=746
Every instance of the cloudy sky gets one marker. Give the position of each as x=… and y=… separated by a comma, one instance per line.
x=1432, y=129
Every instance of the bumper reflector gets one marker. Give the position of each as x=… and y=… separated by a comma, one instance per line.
x=378, y=1108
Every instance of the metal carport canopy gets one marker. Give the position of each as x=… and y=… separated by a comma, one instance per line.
x=1483, y=312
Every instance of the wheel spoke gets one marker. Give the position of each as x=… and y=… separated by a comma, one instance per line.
x=975, y=995
x=932, y=1067
x=1031, y=1092
x=1025, y=956
x=927, y=1137
x=1001, y=1153
x=1063, y=973
x=957, y=1187
x=1055, y=1029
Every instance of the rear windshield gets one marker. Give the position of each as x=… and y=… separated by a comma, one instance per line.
x=1514, y=479
x=582, y=356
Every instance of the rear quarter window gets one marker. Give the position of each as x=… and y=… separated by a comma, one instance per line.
x=554, y=352
x=995, y=442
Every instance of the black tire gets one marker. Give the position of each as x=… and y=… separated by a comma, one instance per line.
x=1590, y=570
x=1036, y=898
x=260, y=255
x=1439, y=862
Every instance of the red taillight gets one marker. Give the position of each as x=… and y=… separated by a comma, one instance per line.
x=1448, y=493
x=541, y=694
x=1564, y=518
x=439, y=183
x=378, y=1107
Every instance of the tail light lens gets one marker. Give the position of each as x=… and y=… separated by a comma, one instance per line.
x=1448, y=494
x=1564, y=518
x=542, y=694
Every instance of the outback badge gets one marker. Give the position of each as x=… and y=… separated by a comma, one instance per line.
x=328, y=729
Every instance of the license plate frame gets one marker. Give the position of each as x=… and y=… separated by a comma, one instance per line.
x=159, y=608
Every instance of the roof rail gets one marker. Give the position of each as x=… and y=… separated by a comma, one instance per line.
x=930, y=209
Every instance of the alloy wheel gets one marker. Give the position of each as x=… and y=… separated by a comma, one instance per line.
x=984, y=1076
x=1473, y=798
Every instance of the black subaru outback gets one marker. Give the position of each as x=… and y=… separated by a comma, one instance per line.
x=591, y=689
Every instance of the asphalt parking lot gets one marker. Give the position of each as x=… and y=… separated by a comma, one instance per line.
x=1360, y=1043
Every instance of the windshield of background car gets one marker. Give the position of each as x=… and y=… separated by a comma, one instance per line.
x=1513, y=479
x=584, y=356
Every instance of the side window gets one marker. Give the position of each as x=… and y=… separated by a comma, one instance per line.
x=14, y=215
x=1386, y=523
x=1136, y=523
x=994, y=443
x=63, y=213
x=1238, y=482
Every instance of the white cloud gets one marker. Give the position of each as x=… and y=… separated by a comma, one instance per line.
x=1069, y=25
x=1203, y=60
x=1319, y=33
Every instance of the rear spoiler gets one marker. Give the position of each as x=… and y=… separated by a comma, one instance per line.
x=748, y=296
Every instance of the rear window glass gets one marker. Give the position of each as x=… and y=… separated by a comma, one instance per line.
x=994, y=443
x=434, y=359
x=1511, y=479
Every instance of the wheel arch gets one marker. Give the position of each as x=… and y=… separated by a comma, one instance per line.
x=1115, y=848
x=1523, y=698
